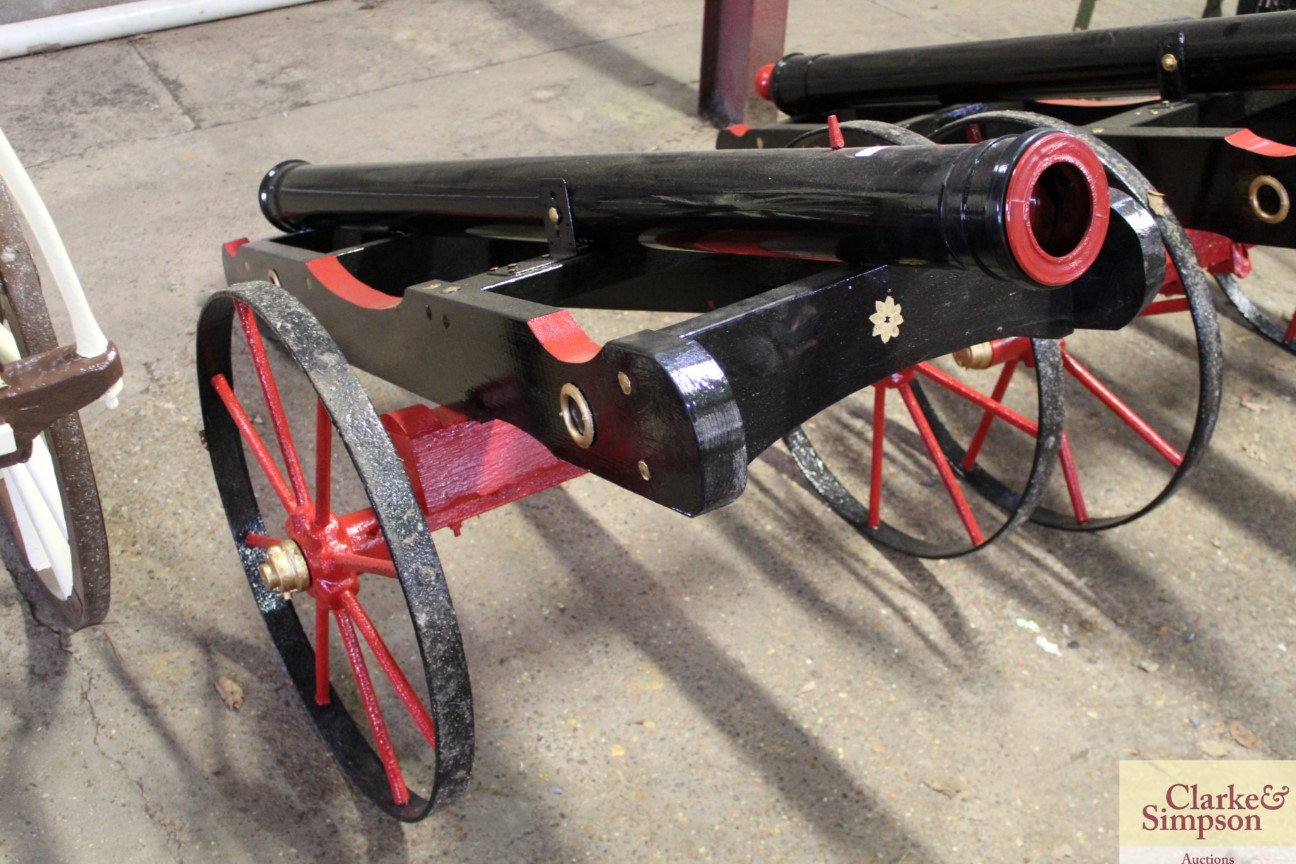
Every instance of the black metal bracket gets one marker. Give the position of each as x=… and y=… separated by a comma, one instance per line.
x=560, y=227
x=1171, y=75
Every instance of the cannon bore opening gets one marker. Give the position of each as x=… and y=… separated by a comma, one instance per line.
x=1056, y=209
x=1061, y=208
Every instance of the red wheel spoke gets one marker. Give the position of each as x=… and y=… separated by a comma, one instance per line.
x=1000, y=388
x=254, y=442
x=875, y=469
x=1291, y=329
x=261, y=541
x=992, y=403
x=322, y=695
x=390, y=666
x=323, y=464
x=942, y=466
x=274, y=406
x=1072, y=478
x=366, y=564
x=1121, y=410
x=1162, y=307
x=400, y=794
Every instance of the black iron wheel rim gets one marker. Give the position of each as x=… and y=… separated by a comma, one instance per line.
x=1262, y=322
x=413, y=552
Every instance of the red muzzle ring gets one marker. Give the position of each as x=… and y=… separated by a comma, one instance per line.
x=1056, y=209
x=764, y=82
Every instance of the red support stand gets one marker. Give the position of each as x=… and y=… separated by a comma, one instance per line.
x=738, y=38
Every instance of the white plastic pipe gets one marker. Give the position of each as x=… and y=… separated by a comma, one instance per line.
x=124, y=19
x=45, y=527
x=89, y=338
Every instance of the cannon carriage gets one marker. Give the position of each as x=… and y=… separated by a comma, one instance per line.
x=797, y=277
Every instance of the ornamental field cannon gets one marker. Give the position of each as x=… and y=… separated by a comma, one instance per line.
x=802, y=276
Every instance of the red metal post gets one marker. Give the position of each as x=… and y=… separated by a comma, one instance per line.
x=738, y=38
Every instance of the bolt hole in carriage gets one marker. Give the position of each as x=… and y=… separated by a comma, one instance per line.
x=798, y=276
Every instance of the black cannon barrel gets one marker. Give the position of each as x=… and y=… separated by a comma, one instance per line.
x=1213, y=55
x=1032, y=206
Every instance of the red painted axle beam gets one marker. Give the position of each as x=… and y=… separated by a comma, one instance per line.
x=460, y=468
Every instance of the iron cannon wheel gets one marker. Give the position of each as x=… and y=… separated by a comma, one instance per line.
x=350, y=541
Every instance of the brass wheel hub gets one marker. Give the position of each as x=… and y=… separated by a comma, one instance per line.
x=284, y=570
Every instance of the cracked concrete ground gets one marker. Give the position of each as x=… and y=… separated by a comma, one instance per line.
x=755, y=685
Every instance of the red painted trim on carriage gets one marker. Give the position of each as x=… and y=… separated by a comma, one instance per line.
x=1245, y=139
x=339, y=281
x=836, y=140
x=563, y=338
x=738, y=130
x=1216, y=254
x=231, y=247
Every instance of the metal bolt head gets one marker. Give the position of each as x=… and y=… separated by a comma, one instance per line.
x=643, y=470
x=624, y=381
x=979, y=356
x=553, y=215
x=1169, y=62
x=284, y=569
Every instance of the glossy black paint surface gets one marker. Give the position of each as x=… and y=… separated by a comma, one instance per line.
x=1183, y=148
x=1218, y=54
x=941, y=206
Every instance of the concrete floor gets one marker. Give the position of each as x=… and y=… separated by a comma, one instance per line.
x=759, y=684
